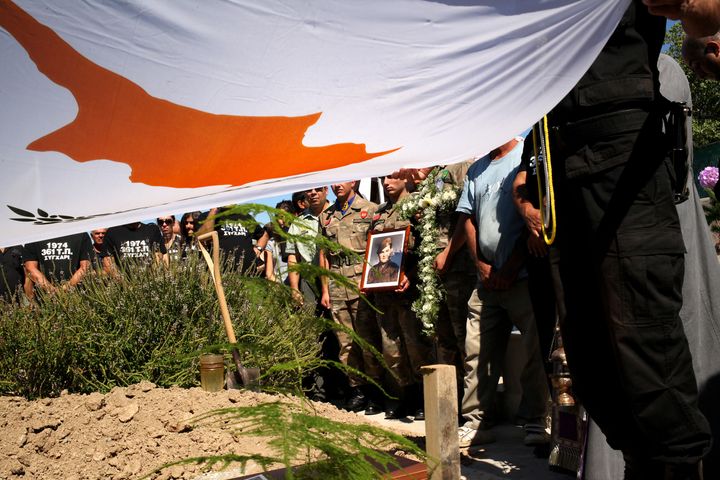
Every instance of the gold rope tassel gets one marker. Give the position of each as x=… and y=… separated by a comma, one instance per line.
x=546, y=195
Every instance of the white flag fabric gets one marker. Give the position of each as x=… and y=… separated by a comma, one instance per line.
x=118, y=111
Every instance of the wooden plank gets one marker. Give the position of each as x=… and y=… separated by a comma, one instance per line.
x=441, y=424
x=418, y=471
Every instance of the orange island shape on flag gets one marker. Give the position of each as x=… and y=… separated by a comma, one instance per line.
x=166, y=144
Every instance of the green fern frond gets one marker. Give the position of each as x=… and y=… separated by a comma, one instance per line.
x=224, y=461
x=323, y=446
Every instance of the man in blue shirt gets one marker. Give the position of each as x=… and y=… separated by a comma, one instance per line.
x=492, y=228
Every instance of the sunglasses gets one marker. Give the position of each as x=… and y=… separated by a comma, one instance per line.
x=316, y=189
x=166, y=221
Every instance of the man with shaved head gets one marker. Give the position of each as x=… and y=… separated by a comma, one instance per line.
x=703, y=56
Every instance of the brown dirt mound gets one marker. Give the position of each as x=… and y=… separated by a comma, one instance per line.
x=125, y=433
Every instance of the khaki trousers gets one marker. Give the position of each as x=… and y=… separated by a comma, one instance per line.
x=357, y=316
x=491, y=316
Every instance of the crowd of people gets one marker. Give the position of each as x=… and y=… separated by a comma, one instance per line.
x=62, y=262
x=617, y=270
x=392, y=327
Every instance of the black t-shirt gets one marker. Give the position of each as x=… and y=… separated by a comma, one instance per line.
x=122, y=242
x=236, y=241
x=59, y=258
x=12, y=275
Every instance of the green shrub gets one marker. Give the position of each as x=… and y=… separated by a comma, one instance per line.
x=151, y=324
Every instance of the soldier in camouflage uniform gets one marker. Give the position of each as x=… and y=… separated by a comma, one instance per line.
x=405, y=348
x=347, y=222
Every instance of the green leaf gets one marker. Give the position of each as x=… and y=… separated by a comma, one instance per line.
x=21, y=212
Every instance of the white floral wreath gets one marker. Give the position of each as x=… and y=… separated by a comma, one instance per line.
x=433, y=198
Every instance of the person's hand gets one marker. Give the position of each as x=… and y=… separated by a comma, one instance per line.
x=537, y=247
x=485, y=272
x=404, y=284
x=531, y=215
x=297, y=296
x=415, y=175
x=440, y=262
x=49, y=287
x=671, y=9
x=699, y=18
x=325, y=300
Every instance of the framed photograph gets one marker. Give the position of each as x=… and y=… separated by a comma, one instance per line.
x=384, y=258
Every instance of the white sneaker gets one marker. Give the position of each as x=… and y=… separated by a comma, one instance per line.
x=470, y=436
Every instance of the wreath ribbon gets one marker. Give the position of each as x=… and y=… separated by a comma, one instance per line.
x=546, y=195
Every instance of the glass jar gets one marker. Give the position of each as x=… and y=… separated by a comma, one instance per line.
x=212, y=372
